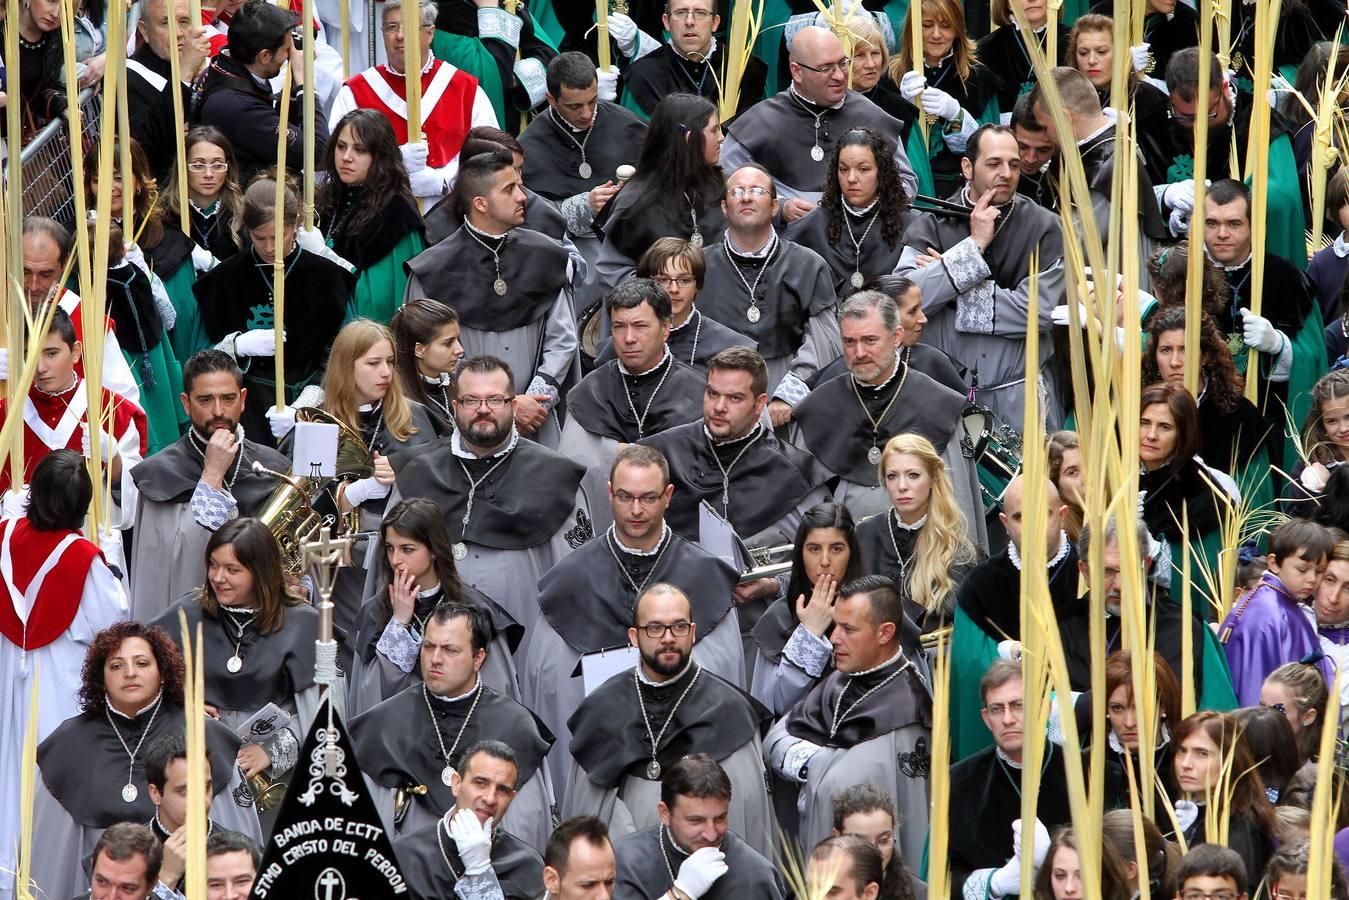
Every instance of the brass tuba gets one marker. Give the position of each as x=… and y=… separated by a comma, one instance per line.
x=302, y=504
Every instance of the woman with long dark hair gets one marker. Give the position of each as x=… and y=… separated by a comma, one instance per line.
x=1060, y=876
x=426, y=335
x=215, y=200
x=368, y=212
x=257, y=642
x=92, y=767
x=1068, y=474
x=858, y=226
x=416, y=574
x=676, y=191
x=792, y=633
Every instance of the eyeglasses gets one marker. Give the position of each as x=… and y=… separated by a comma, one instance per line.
x=1189, y=120
x=697, y=15
x=492, y=402
x=216, y=168
x=841, y=67
x=683, y=281
x=1214, y=895
x=756, y=192
x=678, y=629
x=1282, y=895
x=395, y=27
x=626, y=499
x=997, y=709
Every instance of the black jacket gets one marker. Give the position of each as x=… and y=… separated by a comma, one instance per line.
x=150, y=103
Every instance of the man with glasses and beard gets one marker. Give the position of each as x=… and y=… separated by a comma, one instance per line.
x=196, y=484
x=640, y=723
x=587, y=599
x=514, y=508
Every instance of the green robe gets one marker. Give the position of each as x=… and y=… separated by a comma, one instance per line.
x=164, y=413
x=468, y=54
x=188, y=336
x=379, y=288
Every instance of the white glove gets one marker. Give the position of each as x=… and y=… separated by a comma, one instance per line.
x=700, y=870
x=202, y=259
x=104, y=442
x=1179, y=223
x=426, y=182
x=608, y=82
x=1142, y=499
x=133, y=254
x=1277, y=85
x=1006, y=882
x=366, y=489
x=312, y=239
x=1059, y=315
x=940, y=104
x=1140, y=55
x=911, y=85
x=473, y=839
x=281, y=421
x=1009, y=650
x=414, y=156
x=1260, y=333
x=4, y=364
x=624, y=32
x=1041, y=848
x=1179, y=196
x=1186, y=812
x=258, y=342
x=1315, y=477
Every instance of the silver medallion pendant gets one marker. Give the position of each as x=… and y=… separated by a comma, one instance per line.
x=129, y=793
x=584, y=170
x=500, y=287
x=857, y=279
x=874, y=456
x=234, y=664
x=653, y=770
x=460, y=551
x=696, y=239
x=753, y=314
x=445, y=775
x=817, y=153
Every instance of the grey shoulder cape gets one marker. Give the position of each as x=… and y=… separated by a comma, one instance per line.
x=605, y=400
x=694, y=343
x=1026, y=226
x=518, y=867
x=861, y=716
x=643, y=872
x=171, y=475
x=553, y=160
x=872, y=256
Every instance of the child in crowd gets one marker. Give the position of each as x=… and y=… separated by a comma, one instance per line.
x=1211, y=871
x=1266, y=628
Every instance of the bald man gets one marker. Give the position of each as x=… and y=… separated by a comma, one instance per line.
x=671, y=701
x=792, y=134
x=988, y=608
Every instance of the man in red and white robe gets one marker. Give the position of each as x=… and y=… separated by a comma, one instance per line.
x=452, y=103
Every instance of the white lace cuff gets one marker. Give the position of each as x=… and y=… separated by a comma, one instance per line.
x=806, y=651
x=483, y=886
x=499, y=25
x=797, y=758
x=540, y=385
x=791, y=390
x=533, y=77
x=399, y=645
x=283, y=748
x=979, y=885
x=580, y=217
x=212, y=508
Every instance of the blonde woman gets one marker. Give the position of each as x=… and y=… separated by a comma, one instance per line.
x=870, y=70
x=921, y=540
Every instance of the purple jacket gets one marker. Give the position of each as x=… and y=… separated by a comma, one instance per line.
x=1264, y=630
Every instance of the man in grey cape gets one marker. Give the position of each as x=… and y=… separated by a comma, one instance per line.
x=513, y=507
x=195, y=485
x=642, y=721
x=409, y=744
x=868, y=722
x=587, y=599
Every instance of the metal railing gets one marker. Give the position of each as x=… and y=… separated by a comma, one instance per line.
x=46, y=162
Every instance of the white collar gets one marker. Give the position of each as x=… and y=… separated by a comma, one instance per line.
x=862, y=211
x=633, y=551
x=430, y=58
x=140, y=712
x=457, y=446
x=1005, y=758
x=903, y=526
x=1016, y=23
x=624, y=369
x=899, y=655
x=711, y=49
x=838, y=105
x=1163, y=738
x=1110, y=123
x=941, y=62
x=647, y=681
x=1015, y=557
x=370, y=407
x=464, y=696
x=765, y=249
x=74, y=384
x=693, y=314
x=753, y=432
x=1340, y=247
x=442, y=379
x=1225, y=267
x=487, y=234
x=433, y=589
x=889, y=378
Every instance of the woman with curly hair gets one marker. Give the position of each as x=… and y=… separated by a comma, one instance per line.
x=368, y=212
x=92, y=767
x=921, y=542
x=416, y=574
x=1234, y=436
x=859, y=224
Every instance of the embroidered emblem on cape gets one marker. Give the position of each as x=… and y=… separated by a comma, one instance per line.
x=584, y=530
x=916, y=763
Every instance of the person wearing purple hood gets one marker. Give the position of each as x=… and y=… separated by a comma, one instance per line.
x=1266, y=627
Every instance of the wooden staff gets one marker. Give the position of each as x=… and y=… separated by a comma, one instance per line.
x=1323, y=158
x=412, y=66
x=1266, y=19
x=278, y=244
x=745, y=20
x=512, y=8
x=307, y=10
x=602, y=33
x=346, y=39
x=1194, y=276
x=17, y=303
x=27, y=788
x=939, y=813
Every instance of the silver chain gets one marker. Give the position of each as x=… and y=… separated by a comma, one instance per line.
x=238, y=459
x=660, y=837
x=726, y=470
x=698, y=330
x=837, y=721
x=857, y=244
x=768, y=258
x=496, y=254
x=817, y=118
x=641, y=419
x=894, y=542
x=641, y=704
x=449, y=756
x=440, y=842
x=242, y=626
x=566, y=130
x=876, y=422
x=131, y=766
x=667, y=538
x=473, y=489
x=374, y=436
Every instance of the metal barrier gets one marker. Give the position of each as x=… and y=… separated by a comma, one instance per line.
x=46, y=162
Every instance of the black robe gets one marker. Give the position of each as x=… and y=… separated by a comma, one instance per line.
x=86, y=744
x=1009, y=63
x=834, y=427
x=397, y=746
x=664, y=72
x=520, y=505
x=150, y=107
x=237, y=296
x=987, y=793
x=533, y=265
x=881, y=556
x=369, y=627
x=876, y=257
x=1174, y=489
x=610, y=740
x=553, y=160
x=173, y=250
x=694, y=343
x=923, y=357
x=904, y=700
x=589, y=602
x=669, y=395
x=990, y=594
x=396, y=218
x=643, y=873
x=779, y=133
x=212, y=233
x=1244, y=835
x=796, y=284
x=171, y=475
x=631, y=222
x=1230, y=439
x=1168, y=150
x=765, y=485
x=277, y=666
x=518, y=866
x=131, y=306
x=1098, y=161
